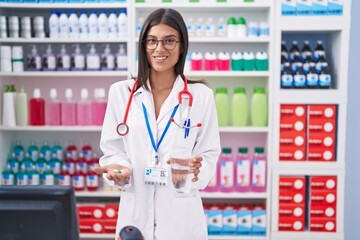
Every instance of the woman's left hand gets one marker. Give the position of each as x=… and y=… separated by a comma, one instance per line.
x=195, y=165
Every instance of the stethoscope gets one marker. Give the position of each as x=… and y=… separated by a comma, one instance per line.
x=122, y=128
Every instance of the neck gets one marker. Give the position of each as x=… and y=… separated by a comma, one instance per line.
x=160, y=81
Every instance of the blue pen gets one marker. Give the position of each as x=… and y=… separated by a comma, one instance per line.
x=188, y=129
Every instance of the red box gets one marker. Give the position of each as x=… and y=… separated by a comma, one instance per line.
x=110, y=226
x=91, y=211
x=292, y=210
x=292, y=153
x=292, y=183
x=292, y=139
x=111, y=211
x=288, y=196
x=322, y=125
x=291, y=224
x=293, y=111
x=290, y=124
x=326, y=197
x=322, y=111
x=91, y=226
x=323, y=182
x=322, y=225
x=322, y=211
x=321, y=140
x=321, y=154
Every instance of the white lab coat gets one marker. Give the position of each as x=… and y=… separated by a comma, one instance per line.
x=156, y=211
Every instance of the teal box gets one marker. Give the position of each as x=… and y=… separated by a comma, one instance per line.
x=304, y=7
x=229, y=221
x=288, y=7
x=215, y=221
x=244, y=222
x=258, y=222
x=262, y=64
x=320, y=7
x=335, y=7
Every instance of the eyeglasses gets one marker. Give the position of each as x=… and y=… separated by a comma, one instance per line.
x=168, y=43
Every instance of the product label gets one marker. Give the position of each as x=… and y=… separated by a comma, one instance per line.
x=41, y=167
x=92, y=181
x=299, y=80
x=8, y=179
x=81, y=167
x=48, y=179
x=19, y=154
x=34, y=179
x=259, y=173
x=324, y=80
x=55, y=167
x=286, y=80
x=312, y=79
x=78, y=182
x=227, y=174
x=243, y=173
x=70, y=167
x=22, y=179
x=34, y=155
x=64, y=180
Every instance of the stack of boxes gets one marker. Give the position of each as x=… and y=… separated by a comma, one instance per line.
x=312, y=7
x=292, y=198
x=307, y=132
x=97, y=218
x=236, y=220
x=323, y=203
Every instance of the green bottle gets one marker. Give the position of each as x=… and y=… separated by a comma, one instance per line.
x=33, y=151
x=259, y=108
x=222, y=106
x=47, y=177
x=55, y=166
x=45, y=150
x=19, y=151
x=239, y=107
x=57, y=149
x=34, y=176
x=8, y=177
x=27, y=163
x=13, y=163
x=22, y=177
x=41, y=164
x=22, y=108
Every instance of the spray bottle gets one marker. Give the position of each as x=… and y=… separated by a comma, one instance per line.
x=92, y=59
x=77, y=59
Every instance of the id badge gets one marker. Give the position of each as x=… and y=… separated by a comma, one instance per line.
x=156, y=176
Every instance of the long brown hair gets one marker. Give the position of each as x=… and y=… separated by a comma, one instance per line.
x=173, y=19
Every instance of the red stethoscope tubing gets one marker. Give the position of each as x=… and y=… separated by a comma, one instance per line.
x=122, y=128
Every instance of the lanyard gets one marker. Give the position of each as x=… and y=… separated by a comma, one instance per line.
x=156, y=146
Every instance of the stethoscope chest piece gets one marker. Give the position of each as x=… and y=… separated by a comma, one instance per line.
x=122, y=129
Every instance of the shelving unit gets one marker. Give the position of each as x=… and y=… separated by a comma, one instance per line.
x=335, y=29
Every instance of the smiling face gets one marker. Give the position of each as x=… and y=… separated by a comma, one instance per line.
x=161, y=59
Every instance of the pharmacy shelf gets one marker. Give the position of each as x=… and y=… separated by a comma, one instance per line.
x=97, y=194
x=224, y=74
x=306, y=235
x=111, y=236
x=314, y=23
x=308, y=168
x=259, y=5
x=228, y=40
x=66, y=74
x=311, y=96
x=244, y=129
x=85, y=5
x=51, y=129
x=53, y=40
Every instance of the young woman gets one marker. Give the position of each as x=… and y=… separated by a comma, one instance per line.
x=152, y=113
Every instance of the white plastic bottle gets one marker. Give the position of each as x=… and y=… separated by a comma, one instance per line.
x=54, y=27
x=139, y=25
x=221, y=28
x=210, y=29
x=73, y=25
x=121, y=58
x=9, y=119
x=107, y=61
x=83, y=25
x=113, y=24
x=64, y=25
x=63, y=60
x=77, y=60
x=200, y=27
x=103, y=25
x=92, y=59
x=93, y=24
x=49, y=60
x=191, y=27
x=123, y=23
x=22, y=108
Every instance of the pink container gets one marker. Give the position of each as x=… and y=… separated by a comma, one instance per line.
x=98, y=107
x=224, y=61
x=226, y=171
x=53, y=110
x=259, y=171
x=210, y=61
x=196, y=61
x=213, y=185
x=242, y=171
x=68, y=110
x=83, y=109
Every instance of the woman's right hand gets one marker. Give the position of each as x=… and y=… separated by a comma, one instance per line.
x=115, y=172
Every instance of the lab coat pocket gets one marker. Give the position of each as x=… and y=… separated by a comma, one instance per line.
x=188, y=219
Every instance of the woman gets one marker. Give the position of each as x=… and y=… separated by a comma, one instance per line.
x=155, y=209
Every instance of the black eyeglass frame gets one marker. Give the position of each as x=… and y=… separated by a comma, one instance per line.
x=157, y=44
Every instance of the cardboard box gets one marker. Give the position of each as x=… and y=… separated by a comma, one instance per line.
x=323, y=183
x=322, y=211
x=292, y=210
x=322, y=111
x=291, y=224
x=91, y=211
x=292, y=153
x=293, y=183
x=292, y=139
x=110, y=226
x=111, y=211
x=91, y=225
x=322, y=225
x=288, y=196
x=325, y=197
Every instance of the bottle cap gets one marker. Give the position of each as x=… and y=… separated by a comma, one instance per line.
x=240, y=90
x=53, y=93
x=101, y=93
x=63, y=12
x=294, y=42
x=112, y=11
x=226, y=150
x=83, y=12
x=37, y=93
x=241, y=21
x=93, y=12
x=259, y=150
x=231, y=21
x=243, y=150
x=221, y=90
x=103, y=11
x=68, y=93
x=259, y=90
x=72, y=11
x=107, y=49
x=84, y=93
x=63, y=49
x=123, y=10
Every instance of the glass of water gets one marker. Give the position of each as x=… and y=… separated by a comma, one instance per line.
x=181, y=177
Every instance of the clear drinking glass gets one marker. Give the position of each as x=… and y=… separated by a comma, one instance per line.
x=181, y=177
